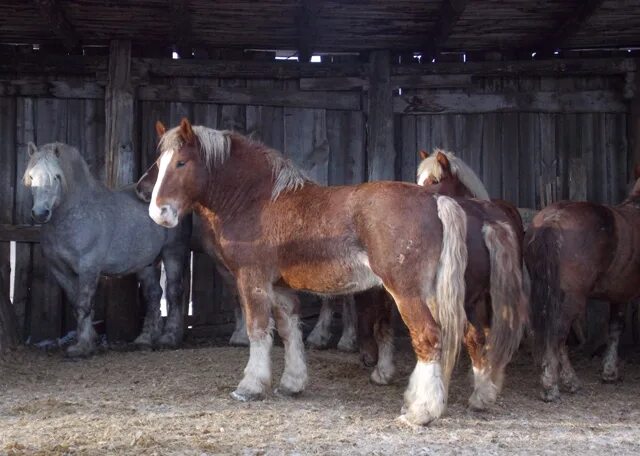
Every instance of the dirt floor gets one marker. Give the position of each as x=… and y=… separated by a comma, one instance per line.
x=177, y=402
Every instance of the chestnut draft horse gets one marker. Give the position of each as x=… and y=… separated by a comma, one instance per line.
x=276, y=230
x=575, y=251
x=494, y=275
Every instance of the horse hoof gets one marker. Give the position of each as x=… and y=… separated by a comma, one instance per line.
x=415, y=421
x=550, y=395
x=283, y=391
x=143, y=342
x=77, y=352
x=246, y=396
x=611, y=377
x=239, y=340
x=347, y=345
x=477, y=404
x=368, y=360
x=168, y=341
x=378, y=377
x=318, y=341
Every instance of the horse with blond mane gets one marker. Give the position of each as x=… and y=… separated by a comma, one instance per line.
x=276, y=230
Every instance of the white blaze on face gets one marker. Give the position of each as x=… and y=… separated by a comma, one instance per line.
x=155, y=212
x=423, y=177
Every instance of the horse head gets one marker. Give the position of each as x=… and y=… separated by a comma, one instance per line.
x=183, y=171
x=45, y=177
x=436, y=173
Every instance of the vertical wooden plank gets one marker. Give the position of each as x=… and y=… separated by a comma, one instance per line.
x=266, y=123
x=424, y=139
x=601, y=148
x=472, y=141
x=7, y=182
x=122, y=314
x=529, y=157
x=510, y=158
x=492, y=155
x=25, y=132
x=577, y=180
x=548, y=158
x=633, y=123
x=407, y=148
x=380, y=147
x=206, y=292
x=347, y=157
x=151, y=112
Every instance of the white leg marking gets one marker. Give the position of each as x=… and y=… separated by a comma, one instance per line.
x=257, y=374
x=485, y=391
x=294, y=378
x=321, y=334
x=425, y=398
x=385, y=369
x=154, y=211
x=348, y=341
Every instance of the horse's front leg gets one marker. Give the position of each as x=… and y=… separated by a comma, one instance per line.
x=348, y=340
x=257, y=300
x=286, y=312
x=86, y=288
x=149, y=279
x=174, y=261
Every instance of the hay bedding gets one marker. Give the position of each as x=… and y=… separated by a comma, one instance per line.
x=177, y=402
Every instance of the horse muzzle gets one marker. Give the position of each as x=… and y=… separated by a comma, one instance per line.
x=41, y=215
x=164, y=215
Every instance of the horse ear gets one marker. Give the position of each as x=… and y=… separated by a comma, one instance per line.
x=443, y=160
x=423, y=154
x=186, y=131
x=637, y=171
x=160, y=129
x=31, y=148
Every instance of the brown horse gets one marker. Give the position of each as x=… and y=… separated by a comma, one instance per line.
x=575, y=251
x=492, y=286
x=276, y=230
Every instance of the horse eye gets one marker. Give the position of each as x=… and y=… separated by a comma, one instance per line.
x=180, y=164
x=58, y=176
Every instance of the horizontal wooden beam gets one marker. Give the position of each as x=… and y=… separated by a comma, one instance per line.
x=467, y=103
x=429, y=81
x=20, y=233
x=251, y=96
x=52, y=65
x=52, y=88
x=555, y=67
x=52, y=12
x=145, y=69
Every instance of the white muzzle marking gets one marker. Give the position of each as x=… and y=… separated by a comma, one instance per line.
x=163, y=215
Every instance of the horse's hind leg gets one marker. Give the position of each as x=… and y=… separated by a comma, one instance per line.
x=383, y=333
x=174, y=259
x=86, y=344
x=367, y=314
x=286, y=312
x=348, y=340
x=239, y=336
x=610, y=369
x=149, y=278
x=320, y=335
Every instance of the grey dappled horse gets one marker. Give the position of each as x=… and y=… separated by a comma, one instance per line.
x=89, y=230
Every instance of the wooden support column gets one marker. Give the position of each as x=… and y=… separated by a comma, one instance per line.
x=52, y=12
x=306, y=29
x=381, y=154
x=122, y=316
x=450, y=12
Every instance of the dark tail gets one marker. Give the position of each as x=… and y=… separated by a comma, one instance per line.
x=542, y=256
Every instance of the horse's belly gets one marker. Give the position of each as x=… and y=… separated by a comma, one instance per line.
x=345, y=275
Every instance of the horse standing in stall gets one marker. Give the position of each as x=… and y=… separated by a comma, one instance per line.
x=494, y=276
x=576, y=251
x=89, y=230
x=277, y=230
x=319, y=336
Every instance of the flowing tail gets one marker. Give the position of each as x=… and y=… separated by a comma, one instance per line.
x=541, y=255
x=450, y=282
x=508, y=301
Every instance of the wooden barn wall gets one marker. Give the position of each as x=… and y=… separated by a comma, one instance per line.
x=526, y=157
x=529, y=157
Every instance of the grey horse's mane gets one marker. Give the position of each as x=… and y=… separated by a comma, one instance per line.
x=467, y=176
x=215, y=146
x=63, y=160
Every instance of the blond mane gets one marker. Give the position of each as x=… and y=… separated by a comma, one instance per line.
x=430, y=167
x=215, y=146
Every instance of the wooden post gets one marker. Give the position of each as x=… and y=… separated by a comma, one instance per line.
x=381, y=154
x=9, y=333
x=122, y=314
x=632, y=91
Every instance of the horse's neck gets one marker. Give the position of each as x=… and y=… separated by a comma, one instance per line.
x=79, y=179
x=238, y=184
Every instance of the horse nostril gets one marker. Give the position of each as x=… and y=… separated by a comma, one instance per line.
x=164, y=210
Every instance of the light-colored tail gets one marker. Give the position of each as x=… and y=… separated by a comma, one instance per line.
x=508, y=301
x=450, y=285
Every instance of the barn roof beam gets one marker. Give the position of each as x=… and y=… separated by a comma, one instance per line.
x=568, y=27
x=450, y=12
x=307, y=28
x=182, y=33
x=52, y=12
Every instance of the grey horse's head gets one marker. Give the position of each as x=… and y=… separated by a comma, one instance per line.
x=45, y=177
